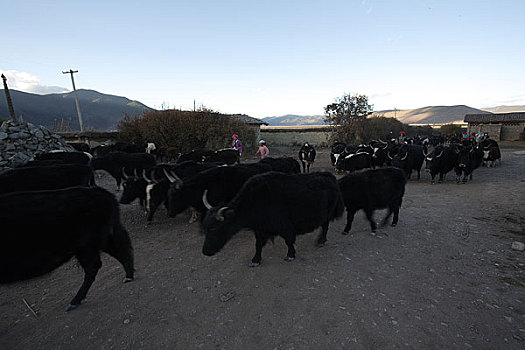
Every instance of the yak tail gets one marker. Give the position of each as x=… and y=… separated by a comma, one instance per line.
x=119, y=244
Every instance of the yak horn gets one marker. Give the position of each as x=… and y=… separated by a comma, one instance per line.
x=135, y=173
x=437, y=156
x=152, y=173
x=172, y=177
x=124, y=173
x=389, y=156
x=219, y=215
x=144, y=176
x=205, y=200
x=405, y=157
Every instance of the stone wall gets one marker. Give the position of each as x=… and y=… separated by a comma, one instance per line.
x=296, y=136
x=21, y=142
x=494, y=130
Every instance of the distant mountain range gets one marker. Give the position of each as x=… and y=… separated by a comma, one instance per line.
x=99, y=111
x=103, y=111
x=294, y=120
x=424, y=115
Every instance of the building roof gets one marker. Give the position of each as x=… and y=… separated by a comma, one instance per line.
x=496, y=118
x=249, y=120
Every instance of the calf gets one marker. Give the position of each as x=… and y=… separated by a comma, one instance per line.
x=276, y=204
x=307, y=156
x=42, y=230
x=46, y=178
x=370, y=190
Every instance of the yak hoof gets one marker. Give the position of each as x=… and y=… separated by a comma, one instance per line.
x=254, y=264
x=373, y=233
x=345, y=233
x=127, y=279
x=289, y=258
x=71, y=307
x=319, y=245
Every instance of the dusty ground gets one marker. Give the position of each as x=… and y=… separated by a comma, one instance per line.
x=445, y=277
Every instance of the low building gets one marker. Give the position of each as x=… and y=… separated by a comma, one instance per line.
x=500, y=126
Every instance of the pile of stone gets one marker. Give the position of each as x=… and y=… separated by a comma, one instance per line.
x=21, y=142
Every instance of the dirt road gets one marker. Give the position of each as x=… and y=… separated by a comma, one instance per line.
x=445, y=277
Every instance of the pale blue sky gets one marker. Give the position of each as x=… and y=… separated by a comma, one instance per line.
x=270, y=58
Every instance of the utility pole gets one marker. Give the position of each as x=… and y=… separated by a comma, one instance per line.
x=71, y=71
x=8, y=98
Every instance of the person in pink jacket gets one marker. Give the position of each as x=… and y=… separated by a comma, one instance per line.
x=263, y=150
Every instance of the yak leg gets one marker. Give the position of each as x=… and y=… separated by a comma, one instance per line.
x=193, y=215
x=370, y=216
x=321, y=240
x=395, y=210
x=90, y=262
x=304, y=166
x=349, y=219
x=259, y=244
x=290, y=255
x=119, y=247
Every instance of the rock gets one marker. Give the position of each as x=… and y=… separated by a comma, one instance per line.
x=519, y=246
x=21, y=142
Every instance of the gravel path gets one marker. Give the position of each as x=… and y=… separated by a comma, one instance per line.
x=445, y=277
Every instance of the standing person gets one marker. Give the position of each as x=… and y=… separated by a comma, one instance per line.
x=263, y=150
x=465, y=137
x=402, y=137
x=237, y=144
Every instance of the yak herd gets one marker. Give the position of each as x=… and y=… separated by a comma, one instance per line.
x=51, y=209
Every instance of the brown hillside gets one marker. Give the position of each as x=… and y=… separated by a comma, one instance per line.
x=432, y=114
x=505, y=109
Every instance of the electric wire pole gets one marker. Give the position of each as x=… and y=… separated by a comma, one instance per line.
x=71, y=71
x=8, y=98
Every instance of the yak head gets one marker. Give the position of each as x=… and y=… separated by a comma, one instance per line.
x=177, y=201
x=465, y=153
x=398, y=155
x=219, y=227
x=432, y=157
